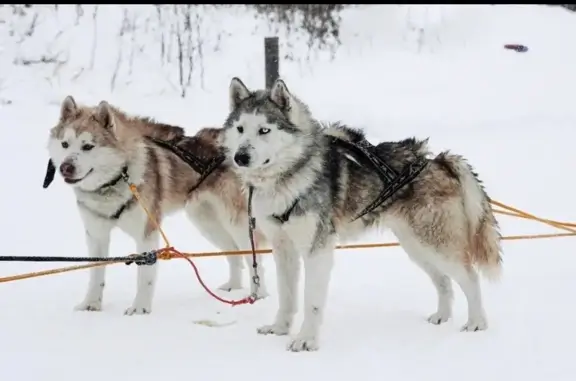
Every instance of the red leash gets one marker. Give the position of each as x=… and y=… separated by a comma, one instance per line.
x=171, y=252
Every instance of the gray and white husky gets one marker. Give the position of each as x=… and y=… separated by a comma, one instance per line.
x=95, y=148
x=308, y=189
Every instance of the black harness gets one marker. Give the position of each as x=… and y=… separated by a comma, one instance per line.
x=203, y=168
x=123, y=175
x=284, y=217
x=392, y=180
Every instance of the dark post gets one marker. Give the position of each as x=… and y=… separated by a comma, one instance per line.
x=272, y=60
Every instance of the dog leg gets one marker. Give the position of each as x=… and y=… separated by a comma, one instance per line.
x=318, y=268
x=426, y=258
x=204, y=219
x=287, y=263
x=469, y=282
x=146, y=282
x=443, y=285
x=98, y=242
x=235, y=272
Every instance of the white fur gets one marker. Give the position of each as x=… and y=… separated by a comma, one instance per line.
x=275, y=151
x=207, y=214
x=289, y=242
x=271, y=154
x=441, y=269
x=105, y=164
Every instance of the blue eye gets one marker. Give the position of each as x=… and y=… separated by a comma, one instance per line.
x=263, y=131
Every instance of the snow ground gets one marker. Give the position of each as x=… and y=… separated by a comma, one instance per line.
x=511, y=114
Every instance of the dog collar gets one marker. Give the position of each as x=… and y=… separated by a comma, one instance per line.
x=123, y=175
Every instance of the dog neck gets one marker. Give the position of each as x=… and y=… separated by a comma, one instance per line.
x=132, y=171
x=285, y=191
x=123, y=175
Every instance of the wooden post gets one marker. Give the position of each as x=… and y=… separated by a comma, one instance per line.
x=271, y=60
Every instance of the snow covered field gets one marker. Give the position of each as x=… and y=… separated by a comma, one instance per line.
x=512, y=115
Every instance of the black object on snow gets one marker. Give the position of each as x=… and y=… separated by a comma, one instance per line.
x=517, y=47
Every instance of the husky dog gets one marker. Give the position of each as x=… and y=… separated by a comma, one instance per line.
x=309, y=191
x=96, y=148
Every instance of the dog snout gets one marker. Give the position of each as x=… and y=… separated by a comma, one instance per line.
x=242, y=158
x=67, y=169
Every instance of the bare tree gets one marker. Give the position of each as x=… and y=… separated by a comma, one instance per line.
x=169, y=40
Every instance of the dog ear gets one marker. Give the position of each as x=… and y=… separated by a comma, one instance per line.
x=103, y=114
x=50, y=172
x=280, y=95
x=68, y=109
x=238, y=92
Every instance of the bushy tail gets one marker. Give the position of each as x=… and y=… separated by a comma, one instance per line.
x=484, y=233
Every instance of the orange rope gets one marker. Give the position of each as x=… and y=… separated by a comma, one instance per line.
x=59, y=270
x=522, y=214
x=168, y=254
x=136, y=194
x=548, y=222
x=209, y=254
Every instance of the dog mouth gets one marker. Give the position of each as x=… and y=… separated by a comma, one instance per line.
x=69, y=180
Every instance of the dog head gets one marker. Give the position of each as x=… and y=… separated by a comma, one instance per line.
x=83, y=146
x=266, y=131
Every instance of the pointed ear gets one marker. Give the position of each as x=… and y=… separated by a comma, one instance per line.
x=280, y=95
x=238, y=92
x=50, y=172
x=103, y=114
x=68, y=109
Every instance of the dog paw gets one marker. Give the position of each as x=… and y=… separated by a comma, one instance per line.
x=94, y=305
x=138, y=310
x=473, y=325
x=438, y=318
x=273, y=329
x=300, y=344
x=230, y=285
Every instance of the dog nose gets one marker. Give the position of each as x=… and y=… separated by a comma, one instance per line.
x=67, y=169
x=242, y=159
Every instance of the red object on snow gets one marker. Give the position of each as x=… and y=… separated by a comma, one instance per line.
x=517, y=47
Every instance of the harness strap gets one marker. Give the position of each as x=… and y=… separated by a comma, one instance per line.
x=205, y=169
x=211, y=167
x=393, y=181
x=284, y=217
x=123, y=173
x=404, y=178
x=385, y=171
x=194, y=162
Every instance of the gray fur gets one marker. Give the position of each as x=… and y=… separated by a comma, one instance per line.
x=442, y=219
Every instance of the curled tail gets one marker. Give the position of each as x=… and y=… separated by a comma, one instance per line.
x=484, y=234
